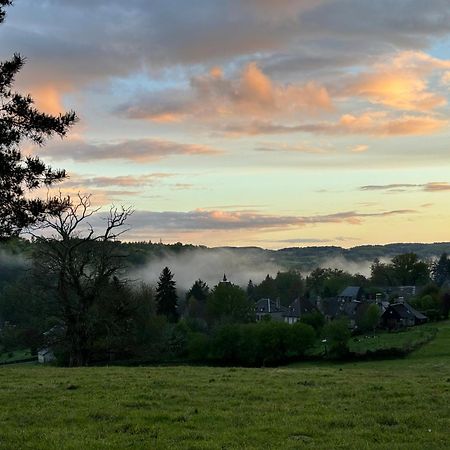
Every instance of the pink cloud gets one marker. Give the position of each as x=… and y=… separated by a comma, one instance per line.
x=213, y=96
x=402, y=82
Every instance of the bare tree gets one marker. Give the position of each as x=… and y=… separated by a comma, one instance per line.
x=79, y=263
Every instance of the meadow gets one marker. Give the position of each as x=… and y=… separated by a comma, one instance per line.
x=393, y=404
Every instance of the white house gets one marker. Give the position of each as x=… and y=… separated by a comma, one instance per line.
x=45, y=355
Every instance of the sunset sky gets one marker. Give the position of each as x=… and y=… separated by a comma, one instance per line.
x=269, y=123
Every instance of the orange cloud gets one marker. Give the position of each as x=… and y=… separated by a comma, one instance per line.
x=402, y=82
x=437, y=186
x=48, y=99
x=371, y=123
x=213, y=96
x=361, y=148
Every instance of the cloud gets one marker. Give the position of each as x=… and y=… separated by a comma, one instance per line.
x=170, y=221
x=214, y=96
x=401, y=83
x=432, y=186
x=136, y=150
x=125, y=181
x=370, y=123
x=388, y=187
x=292, y=148
x=303, y=241
x=165, y=34
x=361, y=148
x=436, y=186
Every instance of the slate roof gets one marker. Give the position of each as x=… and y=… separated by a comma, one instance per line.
x=267, y=306
x=352, y=292
x=330, y=306
x=406, y=311
x=349, y=309
x=301, y=306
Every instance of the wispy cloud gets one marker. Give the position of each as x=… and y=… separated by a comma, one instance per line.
x=235, y=220
x=136, y=150
x=361, y=148
x=371, y=123
x=84, y=181
x=292, y=148
x=432, y=186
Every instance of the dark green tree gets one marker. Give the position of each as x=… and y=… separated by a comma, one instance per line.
x=267, y=288
x=196, y=299
x=199, y=290
x=251, y=291
x=228, y=302
x=166, y=296
x=409, y=270
x=370, y=318
x=289, y=286
x=19, y=174
x=441, y=270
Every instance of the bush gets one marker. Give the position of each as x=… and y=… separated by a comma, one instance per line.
x=315, y=319
x=301, y=337
x=260, y=344
x=198, y=346
x=224, y=345
x=337, y=335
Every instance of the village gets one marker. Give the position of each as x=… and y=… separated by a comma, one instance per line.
x=351, y=304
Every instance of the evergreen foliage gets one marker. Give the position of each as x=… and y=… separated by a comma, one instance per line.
x=20, y=174
x=166, y=296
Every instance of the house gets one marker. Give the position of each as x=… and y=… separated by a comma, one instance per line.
x=402, y=314
x=45, y=355
x=265, y=307
x=298, y=308
x=329, y=307
x=290, y=314
x=401, y=292
x=351, y=294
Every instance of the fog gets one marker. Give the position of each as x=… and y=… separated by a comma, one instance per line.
x=239, y=266
x=210, y=265
x=362, y=266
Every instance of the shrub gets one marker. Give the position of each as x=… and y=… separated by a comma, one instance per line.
x=301, y=337
x=337, y=335
x=198, y=346
x=315, y=319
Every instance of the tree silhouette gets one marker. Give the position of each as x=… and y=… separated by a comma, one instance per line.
x=19, y=174
x=166, y=296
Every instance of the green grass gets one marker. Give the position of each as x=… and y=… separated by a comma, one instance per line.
x=384, y=340
x=395, y=404
x=17, y=355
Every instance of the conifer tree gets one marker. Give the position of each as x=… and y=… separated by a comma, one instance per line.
x=19, y=174
x=166, y=296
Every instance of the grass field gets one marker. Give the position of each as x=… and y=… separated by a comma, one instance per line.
x=395, y=404
x=7, y=357
x=384, y=340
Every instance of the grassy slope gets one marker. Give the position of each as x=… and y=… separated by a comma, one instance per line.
x=14, y=356
x=401, y=404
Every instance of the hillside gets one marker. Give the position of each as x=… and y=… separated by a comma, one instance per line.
x=402, y=404
x=190, y=262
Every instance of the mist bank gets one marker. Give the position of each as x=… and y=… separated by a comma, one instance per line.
x=241, y=264
x=145, y=260
x=210, y=265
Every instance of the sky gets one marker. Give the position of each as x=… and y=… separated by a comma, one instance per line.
x=271, y=123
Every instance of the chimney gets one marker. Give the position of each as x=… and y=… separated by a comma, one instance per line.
x=378, y=298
